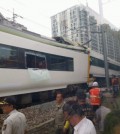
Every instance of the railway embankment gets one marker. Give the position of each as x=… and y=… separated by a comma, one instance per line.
x=40, y=118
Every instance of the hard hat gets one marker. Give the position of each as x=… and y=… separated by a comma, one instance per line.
x=95, y=84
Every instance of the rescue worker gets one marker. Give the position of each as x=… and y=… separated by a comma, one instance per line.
x=16, y=121
x=59, y=116
x=95, y=96
x=86, y=107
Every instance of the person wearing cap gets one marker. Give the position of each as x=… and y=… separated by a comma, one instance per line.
x=95, y=96
x=16, y=121
x=78, y=120
x=68, y=129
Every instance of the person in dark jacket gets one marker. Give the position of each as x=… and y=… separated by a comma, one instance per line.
x=87, y=108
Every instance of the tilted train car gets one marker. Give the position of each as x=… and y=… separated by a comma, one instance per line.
x=30, y=63
x=97, y=69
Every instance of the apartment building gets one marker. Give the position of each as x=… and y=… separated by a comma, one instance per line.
x=81, y=24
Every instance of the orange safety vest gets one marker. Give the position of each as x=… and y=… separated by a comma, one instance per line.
x=95, y=96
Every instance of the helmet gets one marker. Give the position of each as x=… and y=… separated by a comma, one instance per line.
x=95, y=84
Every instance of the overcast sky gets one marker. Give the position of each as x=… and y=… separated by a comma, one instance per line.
x=36, y=13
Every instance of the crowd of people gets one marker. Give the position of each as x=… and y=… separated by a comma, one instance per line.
x=84, y=116
x=88, y=114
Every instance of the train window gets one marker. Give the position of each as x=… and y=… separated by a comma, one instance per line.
x=60, y=63
x=30, y=59
x=41, y=61
x=57, y=62
x=35, y=60
x=70, y=66
x=8, y=57
x=114, y=67
x=21, y=58
x=100, y=63
x=13, y=57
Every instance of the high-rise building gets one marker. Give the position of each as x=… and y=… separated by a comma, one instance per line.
x=81, y=24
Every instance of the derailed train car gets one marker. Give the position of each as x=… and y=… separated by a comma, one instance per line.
x=31, y=64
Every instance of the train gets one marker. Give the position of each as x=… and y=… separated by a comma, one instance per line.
x=31, y=64
x=97, y=69
x=34, y=67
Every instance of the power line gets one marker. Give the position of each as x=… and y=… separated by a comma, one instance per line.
x=36, y=23
x=26, y=6
x=6, y=10
x=6, y=13
x=25, y=18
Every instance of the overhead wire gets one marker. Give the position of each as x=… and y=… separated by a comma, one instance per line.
x=6, y=11
x=35, y=22
x=27, y=19
x=30, y=20
x=26, y=6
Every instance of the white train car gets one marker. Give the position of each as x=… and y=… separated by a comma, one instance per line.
x=31, y=64
x=97, y=69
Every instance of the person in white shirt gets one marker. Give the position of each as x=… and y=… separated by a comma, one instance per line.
x=16, y=121
x=77, y=119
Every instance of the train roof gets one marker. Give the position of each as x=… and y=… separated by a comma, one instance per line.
x=39, y=38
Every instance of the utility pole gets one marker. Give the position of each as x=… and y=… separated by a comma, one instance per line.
x=15, y=16
x=104, y=44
